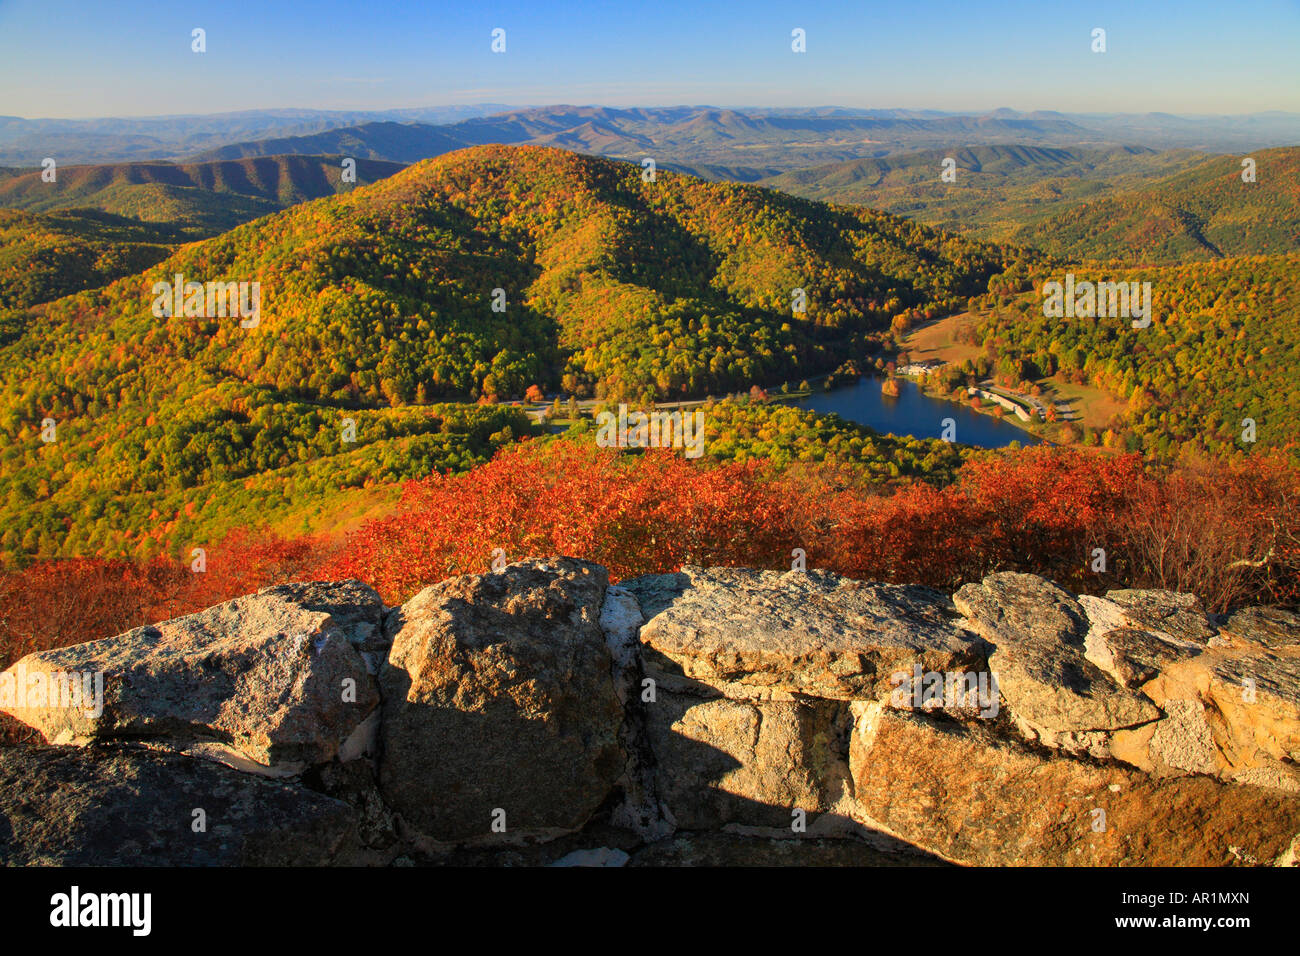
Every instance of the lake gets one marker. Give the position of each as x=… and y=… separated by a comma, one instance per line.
x=914, y=413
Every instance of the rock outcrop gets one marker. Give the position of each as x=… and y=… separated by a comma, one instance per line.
x=130, y=806
x=272, y=682
x=500, y=712
x=540, y=716
x=1038, y=631
x=808, y=633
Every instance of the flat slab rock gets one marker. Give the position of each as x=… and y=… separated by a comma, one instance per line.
x=276, y=679
x=128, y=806
x=1231, y=704
x=1181, y=616
x=811, y=633
x=1129, y=651
x=1038, y=631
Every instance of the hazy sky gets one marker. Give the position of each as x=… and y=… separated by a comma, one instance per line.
x=82, y=58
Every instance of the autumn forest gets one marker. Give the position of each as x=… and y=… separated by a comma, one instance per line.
x=420, y=391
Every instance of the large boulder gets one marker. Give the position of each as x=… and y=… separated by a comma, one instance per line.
x=809, y=633
x=963, y=792
x=1229, y=694
x=753, y=672
x=271, y=682
x=1039, y=632
x=1239, y=713
x=127, y=806
x=500, y=706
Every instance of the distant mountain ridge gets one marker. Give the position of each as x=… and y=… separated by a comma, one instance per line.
x=681, y=135
x=695, y=136
x=1128, y=203
x=25, y=142
x=202, y=199
x=389, y=141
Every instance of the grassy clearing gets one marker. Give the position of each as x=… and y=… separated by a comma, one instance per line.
x=938, y=340
x=1092, y=406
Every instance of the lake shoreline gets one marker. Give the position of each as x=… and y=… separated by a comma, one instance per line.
x=982, y=410
x=915, y=413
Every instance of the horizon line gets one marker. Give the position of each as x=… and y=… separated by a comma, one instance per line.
x=509, y=108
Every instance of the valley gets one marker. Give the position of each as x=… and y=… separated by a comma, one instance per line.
x=381, y=308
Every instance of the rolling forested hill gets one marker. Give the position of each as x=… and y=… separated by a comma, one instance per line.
x=676, y=286
x=997, y=189
x=1206, y=212
x=382, y=297
x=44, y=257
x=200, y=199
x=1223, y=346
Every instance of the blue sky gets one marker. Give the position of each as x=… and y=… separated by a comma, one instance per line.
x=73, y=58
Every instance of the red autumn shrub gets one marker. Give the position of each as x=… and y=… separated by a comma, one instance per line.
x=1229, y=532
x=634, y=514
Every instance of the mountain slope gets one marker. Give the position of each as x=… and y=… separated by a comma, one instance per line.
x=44, y=257
x=383, y=296
x=1206, y=212
x=1223, y=346
x=591, y=259
x=205, y=198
